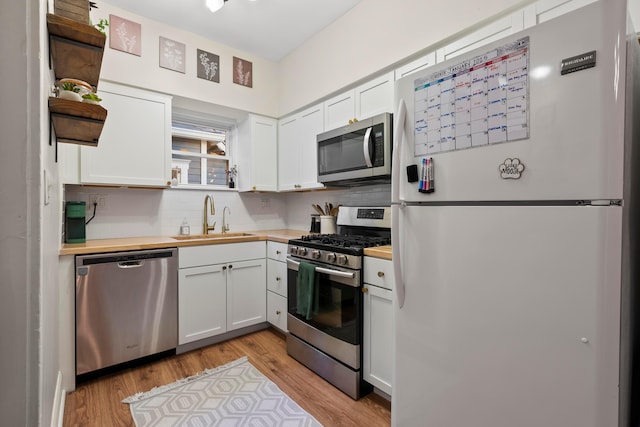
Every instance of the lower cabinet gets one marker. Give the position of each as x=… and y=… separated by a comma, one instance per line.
x=221, y=288
x=277, y=285
x=378, y=340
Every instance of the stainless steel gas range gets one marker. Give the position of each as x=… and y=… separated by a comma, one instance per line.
x=325, y=301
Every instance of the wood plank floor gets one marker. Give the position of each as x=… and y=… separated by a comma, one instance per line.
x=97, y=402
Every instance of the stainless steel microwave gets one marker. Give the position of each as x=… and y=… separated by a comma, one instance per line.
x=359, y=153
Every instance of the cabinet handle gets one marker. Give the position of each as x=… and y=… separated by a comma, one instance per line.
x=364, y=290
x=230, y=266
x=254, y=187
x=278, y=252
x=278, y=312
x=169, y=183
x=224, y=267
x=277, y=279
x=380, y=273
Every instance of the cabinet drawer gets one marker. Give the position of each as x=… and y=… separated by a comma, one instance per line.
x=277, y=277
x=277, y=310
x=194, y=256
x=378, y=272
x=277, y=251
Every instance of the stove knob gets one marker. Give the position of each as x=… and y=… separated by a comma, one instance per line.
x=293, y=250
x=315, y=254
x=342, y=259
x=331, y=257
x=302, y=251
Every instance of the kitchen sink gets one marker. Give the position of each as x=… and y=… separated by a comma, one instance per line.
x=210, y=236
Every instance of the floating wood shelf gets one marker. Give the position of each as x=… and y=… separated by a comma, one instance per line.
x=77, y=122
x=76, y=49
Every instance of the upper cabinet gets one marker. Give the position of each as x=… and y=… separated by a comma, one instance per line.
x=257, y=154
x=75, y=50
x=135, y=147
x=297, y=152
x=367, y=100
x=416, y=65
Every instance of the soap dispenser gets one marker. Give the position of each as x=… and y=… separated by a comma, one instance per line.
x=184, y=228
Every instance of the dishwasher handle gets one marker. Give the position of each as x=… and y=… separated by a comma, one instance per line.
x=130, y=264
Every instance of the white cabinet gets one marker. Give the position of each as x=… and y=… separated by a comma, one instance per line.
x=220, y=288
x=489, y=33
x=135, y=144
x=367, y=100
x=378, y=337
x=297, y=150
x=202, y=303
x=258, y=154
x=544, y=10
x=246, y=296
x=277, y=284
x=416, y=65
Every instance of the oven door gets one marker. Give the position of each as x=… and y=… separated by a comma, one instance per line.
x=334, y=324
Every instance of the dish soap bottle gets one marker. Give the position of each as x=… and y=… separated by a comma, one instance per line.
x=184, y=228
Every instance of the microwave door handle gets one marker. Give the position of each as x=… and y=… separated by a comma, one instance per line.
x=365, y=147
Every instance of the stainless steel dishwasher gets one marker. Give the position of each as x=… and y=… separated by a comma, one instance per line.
x=126, y=307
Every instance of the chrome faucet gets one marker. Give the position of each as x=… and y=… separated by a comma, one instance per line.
x=205, y=220
x=225, y=226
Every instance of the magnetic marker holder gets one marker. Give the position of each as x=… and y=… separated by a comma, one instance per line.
x=426, y=183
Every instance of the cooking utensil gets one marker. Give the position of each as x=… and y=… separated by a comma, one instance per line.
x=334, y=211
x=317, y=208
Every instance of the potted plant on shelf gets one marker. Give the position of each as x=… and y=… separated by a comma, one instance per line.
x=67, y=90
x=232, y=172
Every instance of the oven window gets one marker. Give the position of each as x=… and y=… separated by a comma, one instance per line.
x=334, y=310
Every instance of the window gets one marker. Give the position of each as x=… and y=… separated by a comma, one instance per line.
x=199, y=155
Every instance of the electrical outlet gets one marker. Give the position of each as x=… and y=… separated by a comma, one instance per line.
x=99, y=199
x=266, y=203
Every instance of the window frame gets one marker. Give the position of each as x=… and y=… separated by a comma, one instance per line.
x=190, y=131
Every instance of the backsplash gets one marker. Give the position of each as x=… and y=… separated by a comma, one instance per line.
x=129, y=212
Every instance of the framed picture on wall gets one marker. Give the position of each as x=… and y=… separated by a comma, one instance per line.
x=242, y=72
x=208, y=66
x=125, y=35
x=172, y=55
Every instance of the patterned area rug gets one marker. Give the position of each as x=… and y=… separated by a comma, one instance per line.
x=235, y=394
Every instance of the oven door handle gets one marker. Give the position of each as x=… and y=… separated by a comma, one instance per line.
x=348, y=275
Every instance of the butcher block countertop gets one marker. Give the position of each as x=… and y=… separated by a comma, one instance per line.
x=156, y=242
x=383, y=252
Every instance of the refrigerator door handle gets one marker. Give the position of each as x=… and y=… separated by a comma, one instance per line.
x=398, y=135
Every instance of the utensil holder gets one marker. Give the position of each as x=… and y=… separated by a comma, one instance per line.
x=327, y=224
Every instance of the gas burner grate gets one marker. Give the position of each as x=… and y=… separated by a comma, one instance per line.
x=346, y=241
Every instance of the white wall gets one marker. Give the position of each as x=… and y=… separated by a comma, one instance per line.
x=144, y=71
x=20, y=214
x=372, y=36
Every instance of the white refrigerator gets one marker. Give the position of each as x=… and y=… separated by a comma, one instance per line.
x=512, y=230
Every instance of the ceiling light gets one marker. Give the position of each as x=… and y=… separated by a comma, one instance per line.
x=215, y=5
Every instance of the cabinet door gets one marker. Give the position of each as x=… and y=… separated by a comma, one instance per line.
x=375, y=97
x=277, y=310
x=246, y=293
x=378, y=338
x=135, y=144
x=202, y=298
x=258, y=154
x=482, y=36
x=288, y=153
x=311, y=124
x=277, y=277
x=544, y=10
x=339, y=110
x=414, y=66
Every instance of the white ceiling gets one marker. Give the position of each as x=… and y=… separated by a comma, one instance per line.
x=267, y=28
